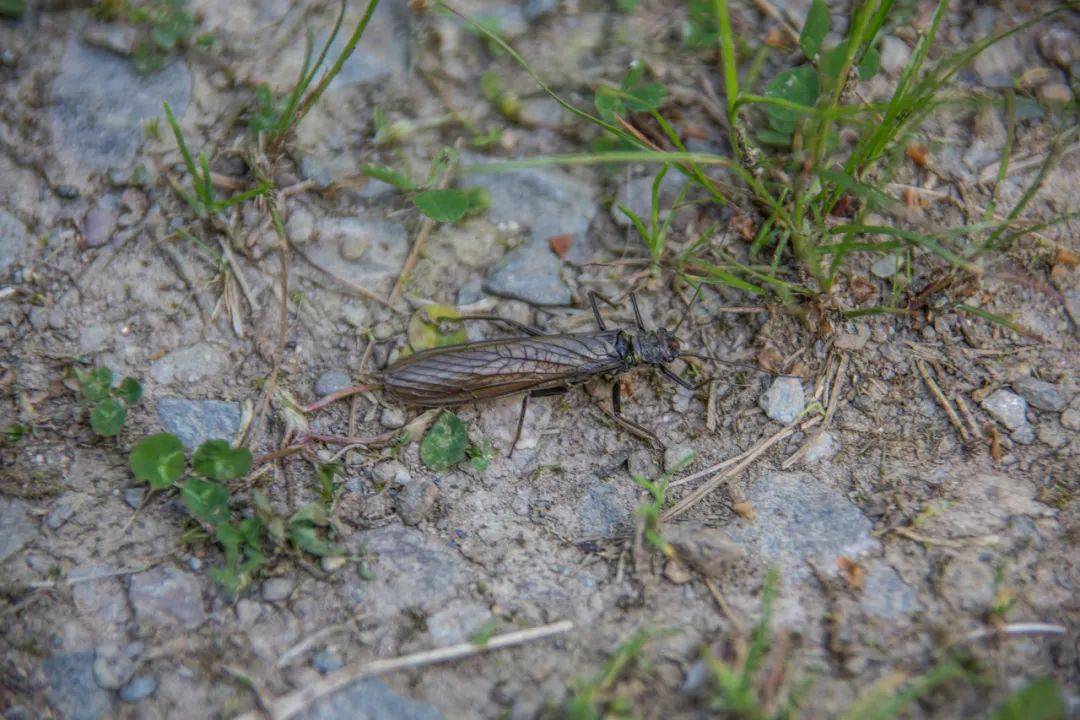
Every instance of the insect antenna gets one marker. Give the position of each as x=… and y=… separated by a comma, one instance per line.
x=686, y=312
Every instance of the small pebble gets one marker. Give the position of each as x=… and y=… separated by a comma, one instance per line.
x=1007, y=407
x=277, y=589
x=332, y=381
x=134, y=496
x=392, y=417
x=1040, y=394
x=784, y=400
x=98, y=226
x=1070, y=419
x=853, y=337
x=326, y=662
x=391, y=473
x=887, y=266
x=677, y=573
x=676, y=456
x=822, y=448
x=641, y=464
x=415, y=502
x=60, y=514
x=1052, y=434
x=141, y=686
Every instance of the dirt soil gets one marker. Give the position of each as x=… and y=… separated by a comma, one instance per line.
x=903, y=533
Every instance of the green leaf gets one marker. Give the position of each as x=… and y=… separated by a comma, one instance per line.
x=219, y=460
x=832, y=61
x=815, y=29
x=108, y=417
x=208, y=501
x=798, y=85
x=442, y=205
x=608, y=103
x=158, y=460
x=870, y=63
x=444, y=444
x=13, y=433
x=1038, y=700
x=130, y=391
x=12, y=8
x=310, y=514
x=479, y=200
x=429, y=327
x=97, y=383
x=306, y=537
x=389, y=176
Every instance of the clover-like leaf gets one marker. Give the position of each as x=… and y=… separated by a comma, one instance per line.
x=108, y=417
x=389, y=175
x=447, y=205
x=798, y=85
x=96, y=384
x=129, y=390
x=219, y=460
x=158, y=460
x=206, y=500
x=306, y=537
x=444, y=444
x=815, y=29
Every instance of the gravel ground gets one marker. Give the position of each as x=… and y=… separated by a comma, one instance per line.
x=899, y=535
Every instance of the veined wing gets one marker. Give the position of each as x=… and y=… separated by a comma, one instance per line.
x=493, y=368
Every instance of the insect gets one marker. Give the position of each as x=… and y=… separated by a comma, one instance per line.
x=534, y=364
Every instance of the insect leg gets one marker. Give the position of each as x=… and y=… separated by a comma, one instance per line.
x=527, y=329
x=666, y=372
x=546, y=392
x=637, y=312
x=593, y=297
x=616, y=398
x=616, y=414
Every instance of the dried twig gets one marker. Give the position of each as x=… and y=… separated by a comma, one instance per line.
x=1018, y=628
x=722, y=603
x=339, y=395
x=942, y=400
x=291, y=704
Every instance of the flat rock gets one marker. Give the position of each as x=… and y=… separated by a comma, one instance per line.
x=113, y=666
x=165, y=595
x=531, y=273
x=102, y=130
x=277, y=589
x=102, y=599
x=196, y=421
x=456, y=622
x=141, y=686
x=606, y=510
x=15, y=527
x=62, y=511
x=12, y=239
x=784, y=400
x=411, y=569
x=708, y=550
x=1040, y=394
x=1007, y=407
x=822, y=448
x=332, y=381
x=369, y=700
x=981, y=503
x=415, y=501
x=190, y=364
x=548, y=202
x=365, y=251
x=72, y=690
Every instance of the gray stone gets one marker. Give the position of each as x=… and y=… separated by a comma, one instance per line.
x=636, y=195
x=456, y=622
x=366, y=251
x=415, y=502
x=886, y=267
x=15, y=527
x=277, y=589
x=967, y=582
x=1053, y=435
x=382, y=56
x=411, y=569
x=190, y=364
x=1057, y=43
x=536, y=9
x=885, y=594
x=100, y=130
x=113, y=666
x=369, y=700
x=165, y=595
x=800, y=518
x=605, y=511
x=1040, y=394
x=784, y=400
x=1070, y=420
x=71, y=689
x=895, y=54
x=115, y=37
x=1024, y=435
x=531, y=273
x=642, y=464
x=470, y=292
x=140, y=687
x=300, y=225
x=391, y=472
x=196, y=421
x=101, y=600
x=823, y=447
x=326, y=661
x=676, y=456
x=98, y=225
x=62, y=512
x=332, y=381
x=393, y=417
x=12, y=239
x=708, y=550
x=134, y=496
x=853, y=336
x=547, y=202
x=1007, y=407
x=997, y=65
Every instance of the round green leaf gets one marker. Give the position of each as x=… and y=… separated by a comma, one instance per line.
x=96, y=384
x=108, y=417
x=206, y=500
x=815, y=29
x=442, y=205
x=130, y=391
x=798, y=85
x=158, y=460
x=445, y=443
x=219, y=460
